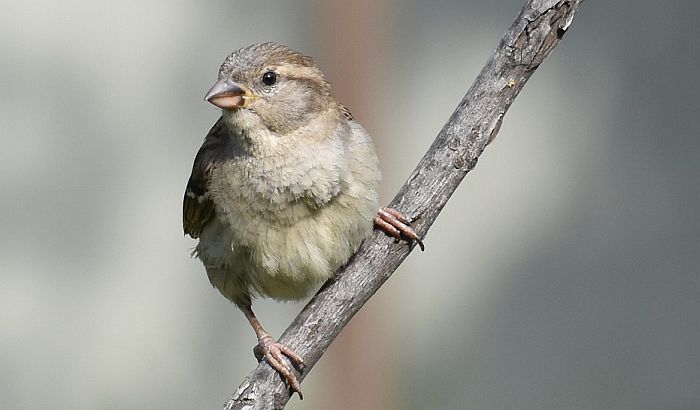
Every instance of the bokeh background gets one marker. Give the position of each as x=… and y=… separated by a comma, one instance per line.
x=563, y=274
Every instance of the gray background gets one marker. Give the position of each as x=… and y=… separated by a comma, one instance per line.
x=563, y=274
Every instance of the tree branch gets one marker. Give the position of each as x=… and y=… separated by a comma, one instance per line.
x=472, y=126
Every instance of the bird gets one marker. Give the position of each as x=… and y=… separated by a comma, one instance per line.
x=284, y=188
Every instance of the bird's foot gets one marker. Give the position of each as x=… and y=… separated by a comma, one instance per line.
x=276, y=355
x=394, y=224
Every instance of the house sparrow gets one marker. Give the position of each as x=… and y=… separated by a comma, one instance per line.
x=284, y=188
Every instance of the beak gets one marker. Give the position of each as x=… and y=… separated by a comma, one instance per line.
x=226, y=94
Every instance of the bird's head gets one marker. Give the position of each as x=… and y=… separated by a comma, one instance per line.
x=280, y=86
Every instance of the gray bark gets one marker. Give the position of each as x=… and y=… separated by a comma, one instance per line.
x=472, y=126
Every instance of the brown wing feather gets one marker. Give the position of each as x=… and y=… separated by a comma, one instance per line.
x=346, y=112
x=197, y=206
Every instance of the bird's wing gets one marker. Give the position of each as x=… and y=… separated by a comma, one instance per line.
x=346, y=112
x=197, y=206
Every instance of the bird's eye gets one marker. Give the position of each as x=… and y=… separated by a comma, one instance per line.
x=269, y=78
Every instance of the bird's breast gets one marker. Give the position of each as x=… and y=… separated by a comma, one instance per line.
x=283, y=253
x=289, y=214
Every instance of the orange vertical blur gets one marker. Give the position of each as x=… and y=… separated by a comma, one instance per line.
x=350, y=35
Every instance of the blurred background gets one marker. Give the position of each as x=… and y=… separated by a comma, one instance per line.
x=577, y=288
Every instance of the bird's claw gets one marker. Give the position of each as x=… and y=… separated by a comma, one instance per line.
x=396, y=225
x=277, y=356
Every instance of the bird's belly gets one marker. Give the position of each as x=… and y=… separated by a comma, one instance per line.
x=251, y=253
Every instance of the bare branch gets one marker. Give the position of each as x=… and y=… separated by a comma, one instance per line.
x=472, y=126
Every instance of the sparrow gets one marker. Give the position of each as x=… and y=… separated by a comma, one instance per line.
x=284, y=188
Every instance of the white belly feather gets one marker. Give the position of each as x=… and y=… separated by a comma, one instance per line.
x=281, y=228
